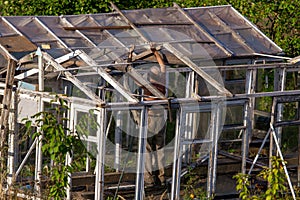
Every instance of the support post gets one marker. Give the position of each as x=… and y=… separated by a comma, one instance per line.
x=180, y=124
x=279, y=85
x=68, y=156
x=38, y=152
x=118, y=140
x=101, y=137
x=139, y=186
x=12, y=130
x=6, y=102
x=248, y=115
x=298, y=166
x=216, y=118
x=189, y=131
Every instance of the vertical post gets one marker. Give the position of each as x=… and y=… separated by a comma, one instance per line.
x=118, y=139
x=16, y=131
x=41, y=69
x=246, y=135
x=211, y=153
x=38, y=152
x=248, y=115
x=68, y=156
x=139, y=189
x=6, y=103
x=99, y=182
x=280, y=85
x=298, y=166
x=189, y=119
x=271, y=143
x=88, y=161
x=11, y=145
x=215, y=131
x=180, y=126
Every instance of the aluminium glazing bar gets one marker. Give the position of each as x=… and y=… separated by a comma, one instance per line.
x=11, y=26
x=52, y=33
x=180, y=125
x=73, y=79
x=227, y=28
x=255, y=28
x=99, y=182
x=108, y=78
x=202, y=30
x=142, y=141
x=197, y=69
x=130, y=23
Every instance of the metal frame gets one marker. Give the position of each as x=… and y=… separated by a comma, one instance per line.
x=184, y=118
x=182, y=112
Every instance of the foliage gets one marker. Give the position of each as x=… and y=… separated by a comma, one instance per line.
x=193, y=190
x=274, y=176
x=57, y=143
x=242, y=185
x=52, y=7
x=276, y=179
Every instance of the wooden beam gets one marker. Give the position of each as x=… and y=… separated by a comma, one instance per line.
x=96, y=28
x=6, y=102
x=141, y=55
x=130, y=23
x=26, y=74
x=140, y=79
x=6, y=53
x=59, y=60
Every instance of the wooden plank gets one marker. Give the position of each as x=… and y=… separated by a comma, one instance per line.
x=95, y=28
x=140, y=79
x=141, y=55
x=262, y=113
x=130, y=23
x=6, y=53
x=26, y=74
x=6, y=102
x=59, y=60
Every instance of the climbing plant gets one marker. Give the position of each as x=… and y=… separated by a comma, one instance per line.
x=274, y=177
x=57, y=143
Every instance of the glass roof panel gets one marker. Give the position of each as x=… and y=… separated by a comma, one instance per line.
x=5, y=29
x=34, y=31
x=71, y=38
